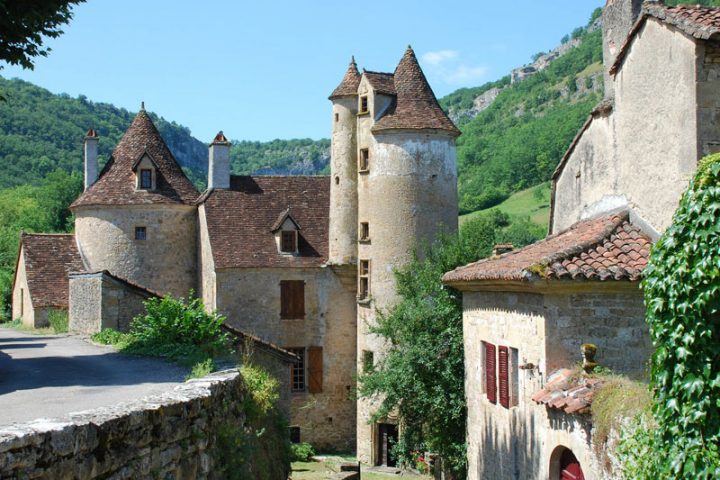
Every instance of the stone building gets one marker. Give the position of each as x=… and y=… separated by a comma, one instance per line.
x=299, y=262
x=527, y=313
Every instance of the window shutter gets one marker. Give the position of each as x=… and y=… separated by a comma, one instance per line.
x=299, y=299
x=490, y=384
x=503, y=377
x=315, y=369
x=284, y=299
x=292, y=299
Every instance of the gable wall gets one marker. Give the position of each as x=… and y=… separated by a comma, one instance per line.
x=206, y=289
x=28, y=314
x=643, y=154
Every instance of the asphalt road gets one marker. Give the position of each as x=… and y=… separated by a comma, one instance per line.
x=51, y=376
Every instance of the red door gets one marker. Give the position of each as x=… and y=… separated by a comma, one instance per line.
x=570, y=467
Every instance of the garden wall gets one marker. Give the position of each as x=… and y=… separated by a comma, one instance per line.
x=179, y=434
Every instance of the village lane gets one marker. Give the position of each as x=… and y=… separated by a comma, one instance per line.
x=49, y=376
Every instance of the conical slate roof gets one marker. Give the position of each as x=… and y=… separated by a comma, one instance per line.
x=349, y=84
x=416, y=107
x=117, y=181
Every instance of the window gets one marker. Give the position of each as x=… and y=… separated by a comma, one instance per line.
x=337, y=117
x=294, y=434
x=288, y=241
x=368, y=360
x=364, y=231
x=297, y=370
x=292, y=299
x=146, y=178
x=315, y=369
x=337, y=180
x=364, y=160
x=500, y=375
x=140, y=233
x=490, y=379
x=364, y=280
x=363, y=104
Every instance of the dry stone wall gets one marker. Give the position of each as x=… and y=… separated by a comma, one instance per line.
x=173, y=435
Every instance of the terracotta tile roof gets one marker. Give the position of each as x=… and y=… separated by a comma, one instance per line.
x=416, y=107
x=116, y=183
x=49, y=258
x=569, y=391
x=381, y=82
x=603, y=248
x=694, y=20
x=349, y=84
x=240, y=220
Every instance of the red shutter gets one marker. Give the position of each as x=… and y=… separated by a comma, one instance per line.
x=315, y=369
x=490, y=384
x=503, y=377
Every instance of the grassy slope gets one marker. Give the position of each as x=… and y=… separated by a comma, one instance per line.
x=533, y=202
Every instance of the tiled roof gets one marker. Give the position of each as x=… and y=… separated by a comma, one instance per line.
x=416, y=107
x=381, y=82
x=569, y=391
x=49, y=258
x=241, y=335
x=116, y=183
x=349, y=84
x=240, y=220
x=694, y=20
x=604, y=248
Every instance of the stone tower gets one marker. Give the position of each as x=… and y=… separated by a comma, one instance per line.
x=619, y=16
x=406, y=182
x=138, y=219
x=343, y=166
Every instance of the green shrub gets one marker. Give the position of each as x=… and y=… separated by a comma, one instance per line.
x=301, y=452
x=202, y=369
x=110, y=336
x=58, y=320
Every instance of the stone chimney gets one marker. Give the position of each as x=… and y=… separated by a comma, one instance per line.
x=91, y=153
x=219, y=162
x=618, y=18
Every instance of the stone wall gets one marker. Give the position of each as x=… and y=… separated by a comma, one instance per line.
x=206, y=263
x=326, y=419
x=174, y=435
x=99, y=301
x=21, y=296
x=547, y=328
x=642, y=155
x=166, y=261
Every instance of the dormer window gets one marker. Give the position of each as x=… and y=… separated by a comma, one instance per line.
x=288, y=241
x=286, y=231
x=146, y=179
x=363, y=104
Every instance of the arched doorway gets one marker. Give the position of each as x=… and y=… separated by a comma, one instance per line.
x=570, y=467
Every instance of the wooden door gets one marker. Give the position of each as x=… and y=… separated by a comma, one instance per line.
x=387, y=437
x=570, y=467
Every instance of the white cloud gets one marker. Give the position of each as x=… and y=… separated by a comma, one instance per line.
x=448, y=67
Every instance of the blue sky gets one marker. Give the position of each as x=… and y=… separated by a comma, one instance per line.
x=264, y=69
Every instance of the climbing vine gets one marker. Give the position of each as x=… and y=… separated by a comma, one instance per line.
x=682, y=297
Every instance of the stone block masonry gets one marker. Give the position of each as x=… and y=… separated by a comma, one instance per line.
x=173, y=435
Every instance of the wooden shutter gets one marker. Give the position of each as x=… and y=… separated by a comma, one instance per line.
x=490, y=383
x=503, y=377
x=315, y=369
x=292, y=299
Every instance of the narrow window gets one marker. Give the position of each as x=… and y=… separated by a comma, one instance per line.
x=146, y=178
x=295, y=434
x=288, y=241
x=292, y=299
x=503, y=386
x=140, y=233
x=364, y=231
x=490, y=378
x=297, y=370
x=337, y=180
x=368, y=361
x=22, y=302
x=337, y=117
x=364, y=280
x=315, y=369
x=363, y=104
x=364, y=160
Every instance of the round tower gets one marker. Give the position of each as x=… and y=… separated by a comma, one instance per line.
x=343, y=170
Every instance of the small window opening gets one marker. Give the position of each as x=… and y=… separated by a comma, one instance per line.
x=364, y=231
x=288, y=241
x=146, y=178
x=364, y=160
x=295, y=434
x=297, y=371
x=337, y=180
x=140, y=233
x=364, y=280
x=363, y=104
x=368, y=360
x=337, y=117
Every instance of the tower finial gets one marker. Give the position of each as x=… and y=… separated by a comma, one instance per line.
x=142, y=106
x=352, y=60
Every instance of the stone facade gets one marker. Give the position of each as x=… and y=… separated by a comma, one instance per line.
x=22, y=306
x=174, y=435
x=100, y=300
x=165, y=261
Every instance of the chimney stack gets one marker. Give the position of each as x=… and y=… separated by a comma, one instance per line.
x=219, y=162
x=91, y=153
x=618, y=18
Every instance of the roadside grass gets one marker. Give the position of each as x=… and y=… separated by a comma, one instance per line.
x=533, y=202
x=325, y=465
x=17, y=324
